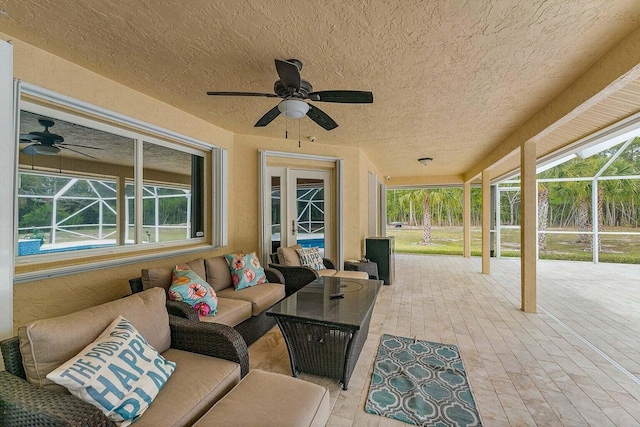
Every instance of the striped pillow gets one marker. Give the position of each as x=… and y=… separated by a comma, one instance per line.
x=311, y=258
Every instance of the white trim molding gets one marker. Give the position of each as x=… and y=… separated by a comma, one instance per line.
x=8, y=174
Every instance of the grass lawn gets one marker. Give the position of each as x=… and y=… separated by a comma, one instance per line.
x=448, y=241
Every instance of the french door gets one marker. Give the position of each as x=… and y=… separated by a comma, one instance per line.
x=300, y=209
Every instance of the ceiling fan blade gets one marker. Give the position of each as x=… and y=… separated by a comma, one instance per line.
x=78, y=145
x=342, y=96
x=267, y=95
x=321, y=118
x=289, y=74
x=268, y=118
x=27, y=137
x=76, y=151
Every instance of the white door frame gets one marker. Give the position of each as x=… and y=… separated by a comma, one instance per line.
x=9, y=140
x=265, y=201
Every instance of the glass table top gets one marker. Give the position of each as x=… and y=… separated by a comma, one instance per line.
x=313, y=303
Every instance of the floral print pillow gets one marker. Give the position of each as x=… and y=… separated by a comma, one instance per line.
x=188, y=287
x=245, y=270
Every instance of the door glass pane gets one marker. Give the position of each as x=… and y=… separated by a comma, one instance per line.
x=310, y=217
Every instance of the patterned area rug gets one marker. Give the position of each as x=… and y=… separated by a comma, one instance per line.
x=422, y=383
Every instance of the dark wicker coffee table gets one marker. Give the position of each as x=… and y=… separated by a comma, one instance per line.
x=325, y=336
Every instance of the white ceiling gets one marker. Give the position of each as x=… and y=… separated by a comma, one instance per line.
x=451, y=79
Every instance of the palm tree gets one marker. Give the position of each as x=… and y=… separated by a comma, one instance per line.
x=423, y=197
x=426, y=217
x=544, y=204
x=407, y=200
x=580, y=191
x=543, y=215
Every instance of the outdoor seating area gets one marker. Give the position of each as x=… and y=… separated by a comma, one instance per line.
x=338, y=214
x=208, y=363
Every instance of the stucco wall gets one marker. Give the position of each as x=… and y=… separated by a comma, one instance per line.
x=66, y=294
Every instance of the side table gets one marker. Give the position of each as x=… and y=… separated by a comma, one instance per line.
x=368, y=266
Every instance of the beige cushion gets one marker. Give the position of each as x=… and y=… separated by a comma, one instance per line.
x=230, y=312
x=289, y=256
x=266, y=399
x=196, y=384
x=48, y=343
x=160, y=277
x=218, y=273
x=260, y=296
x=352, y=274
x=326, y=272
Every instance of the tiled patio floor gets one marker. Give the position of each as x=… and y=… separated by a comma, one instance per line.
x=576, y=362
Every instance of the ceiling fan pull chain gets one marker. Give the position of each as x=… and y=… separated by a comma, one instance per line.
x=298, y=133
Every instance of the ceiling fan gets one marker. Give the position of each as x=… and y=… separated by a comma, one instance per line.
x=295, y=90
x=47, y=143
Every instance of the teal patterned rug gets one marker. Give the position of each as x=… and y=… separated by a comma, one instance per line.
x=422, y=383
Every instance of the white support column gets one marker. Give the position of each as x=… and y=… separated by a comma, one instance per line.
x=486, y=221
x=528, y=227
x=8, y=161
x=466, y=219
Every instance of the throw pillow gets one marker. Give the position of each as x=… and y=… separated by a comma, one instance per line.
x=245, y=270
x=288, y=256
x=119, y=373
x=188, y=287
x=311, y=258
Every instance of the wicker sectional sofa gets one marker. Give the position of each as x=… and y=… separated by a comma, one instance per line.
x=244, y=310
x=211, y=383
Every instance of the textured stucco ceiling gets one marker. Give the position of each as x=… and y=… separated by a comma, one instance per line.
x=451, y=79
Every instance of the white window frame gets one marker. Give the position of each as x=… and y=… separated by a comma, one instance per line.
x=216, y=199
x=8, y=104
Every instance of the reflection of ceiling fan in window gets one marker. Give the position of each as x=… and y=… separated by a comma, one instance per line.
x=47, y=143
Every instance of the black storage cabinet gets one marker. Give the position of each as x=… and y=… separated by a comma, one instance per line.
x=381, y=251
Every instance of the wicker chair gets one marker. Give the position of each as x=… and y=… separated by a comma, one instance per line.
x=297, y=277
x=24, y=404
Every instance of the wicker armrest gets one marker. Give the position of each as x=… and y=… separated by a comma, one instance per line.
x=211, y=339
x=273, y=275
x=182, y=309
x=295, y=277
x=24, y=404
x=328, y=263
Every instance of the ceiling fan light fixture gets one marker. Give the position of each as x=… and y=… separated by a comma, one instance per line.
x=425, y=160
x=45, y=150
x=293, y=108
